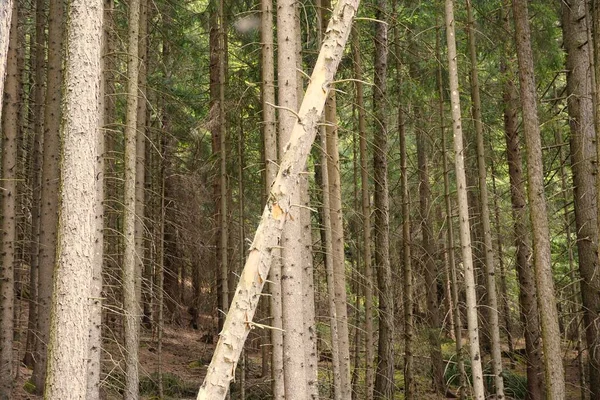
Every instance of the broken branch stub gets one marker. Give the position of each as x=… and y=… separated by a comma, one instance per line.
x=221, y=370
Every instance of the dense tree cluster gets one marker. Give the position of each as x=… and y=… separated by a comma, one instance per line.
x=391, y=199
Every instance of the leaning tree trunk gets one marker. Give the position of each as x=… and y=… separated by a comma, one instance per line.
x=8, y=212
x=239, y=319
x=540, y=232
x=583, y=135
x=68, y=347
x=463, y=208
x=490, y=268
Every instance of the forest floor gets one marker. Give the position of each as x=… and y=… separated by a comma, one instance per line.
x=185, y=356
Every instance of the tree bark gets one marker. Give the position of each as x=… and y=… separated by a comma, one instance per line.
x=463, y=207
x=384, y=380
x=50, y=187
x=239, y=319
x=554, y=371
x=5, y=24
x=131, y=273
x=583, y=154
x=366, y=218
x=68, y=346
x=527, y=292
x=10, y=121
x=490, y=268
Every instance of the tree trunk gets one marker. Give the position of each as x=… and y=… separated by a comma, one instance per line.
x=50, y=187
x=384, y=380
x=270, y=157
x=36, y=165
x=68, y=346
x=366, y=217
x=239, y=319
x=527, y=292
x=490, y=268
x=555, y=382
x=583, y=135
x=463, y=207
x=10, y=121
x=131, y=277
x=291, y=252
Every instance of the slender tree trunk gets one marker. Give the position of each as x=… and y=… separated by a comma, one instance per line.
x=329, y=265
x=384, y=380
x=270, y=157
x=454, y=288
x=527, y=292
x=554, y=371
x=366, y=217
x=239, y=319
x=68, y=346
x=50, y=187
x=490, y=268
x=583, y=135
x=131, y=273
x=36, y=165
x=463, y=207
x=8, y=211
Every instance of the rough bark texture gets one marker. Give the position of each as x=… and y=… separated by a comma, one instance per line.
x=490, y=267
x=68, y=347
x=291, y=252
x=10, y=121
x=239, y=319
x=554, y=371
x=527, y=292
x=50, y=187
x=583, y=153
x=366, y=219
x=463, y=207
x=430, y=267
x=384, y=380
x=131, y=278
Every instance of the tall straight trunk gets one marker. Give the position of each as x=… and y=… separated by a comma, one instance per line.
x=5, y=24
x=223, y=245
x=407, y=275
x=430, y=268
x=384, y=380
x=68, y=346
x=10, y=121
x=131, y=273
x=270, y=157
x=50, y=187
x=527, y=292
x=583, y=154
x=554, y=371
x=295, y=384
x=329, y=265
x=337, y=228
x=36, y=165
x=268, y=234
x=454, y=289
x=143, y=266
x=366, y=217
x=490, y=268
x=463, y=207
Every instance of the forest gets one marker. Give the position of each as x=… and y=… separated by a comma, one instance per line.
x=249, y=199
